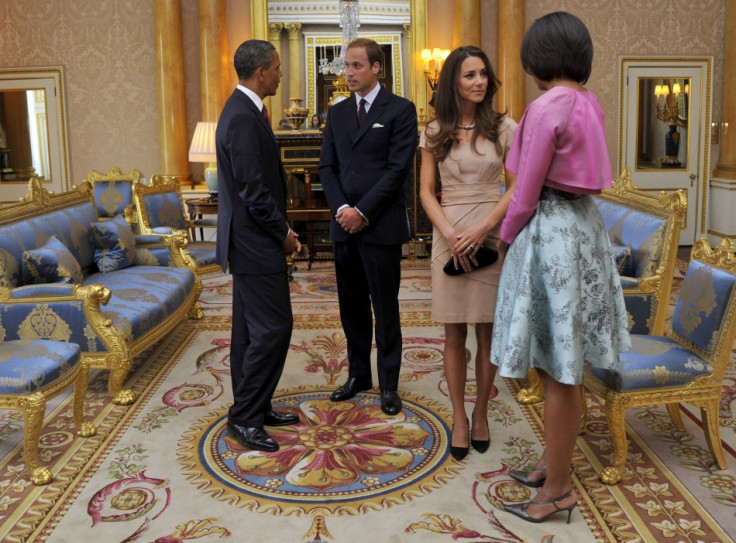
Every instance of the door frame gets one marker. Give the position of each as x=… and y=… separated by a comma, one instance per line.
x=702, y=69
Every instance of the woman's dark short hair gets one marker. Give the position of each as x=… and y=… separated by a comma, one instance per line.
x=251, y=55
x=558, y=45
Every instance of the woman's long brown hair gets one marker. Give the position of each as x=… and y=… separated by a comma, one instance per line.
x=448, y=105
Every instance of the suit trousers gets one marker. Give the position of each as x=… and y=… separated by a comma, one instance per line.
x=262, y=325
x=370, y=274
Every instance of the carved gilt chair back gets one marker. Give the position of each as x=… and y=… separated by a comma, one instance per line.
x=114, y=193
x=161, y=210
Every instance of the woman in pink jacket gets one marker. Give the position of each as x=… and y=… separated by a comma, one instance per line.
x=560, y=306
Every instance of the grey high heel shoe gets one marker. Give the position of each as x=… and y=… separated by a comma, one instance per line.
x=523, y=477
x=519, y=509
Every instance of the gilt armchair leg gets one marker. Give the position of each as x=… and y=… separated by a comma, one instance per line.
x=534, y=393
x=615, y=413
x=711, y=426
x=583, y=409
x=674, y=410
x=34, y=408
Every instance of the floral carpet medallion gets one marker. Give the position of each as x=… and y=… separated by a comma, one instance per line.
x=347, y=457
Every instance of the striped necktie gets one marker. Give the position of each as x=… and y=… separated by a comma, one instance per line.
x=266, y=115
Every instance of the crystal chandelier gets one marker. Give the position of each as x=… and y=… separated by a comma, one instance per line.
x=349, y=22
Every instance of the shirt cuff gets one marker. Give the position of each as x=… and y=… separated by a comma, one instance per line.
x=361, y=214
x=343, y=206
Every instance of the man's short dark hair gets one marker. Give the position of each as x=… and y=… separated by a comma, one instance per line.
x=558, y=45
x=251, y=55
x=372, y=50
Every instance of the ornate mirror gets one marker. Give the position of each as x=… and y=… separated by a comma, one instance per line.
x=32, y=130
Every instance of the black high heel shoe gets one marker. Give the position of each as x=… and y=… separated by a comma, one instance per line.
x=519, y=509
x=458, y=453
x=481, y=445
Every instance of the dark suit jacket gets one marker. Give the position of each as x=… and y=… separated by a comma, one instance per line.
x=251, y=214
x=367, y=167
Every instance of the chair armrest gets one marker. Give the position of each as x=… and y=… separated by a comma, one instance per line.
x=155, y=240
x=45, y=291
x=641, y=296
x=61, y=312
x=206, y=223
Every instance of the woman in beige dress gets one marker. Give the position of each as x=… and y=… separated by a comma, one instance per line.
x=468, y=141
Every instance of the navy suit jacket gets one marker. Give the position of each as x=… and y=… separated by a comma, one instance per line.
x=367, y=167
x=251, y=213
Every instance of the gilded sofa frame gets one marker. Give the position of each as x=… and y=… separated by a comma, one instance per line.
x=118, y=358
x=670, y=206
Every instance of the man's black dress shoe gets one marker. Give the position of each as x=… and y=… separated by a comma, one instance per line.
x=252, y=438
x=390, y=402
x=279, y=418
x=351, y=387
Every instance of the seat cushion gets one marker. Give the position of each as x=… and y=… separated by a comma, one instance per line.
x=28, y=365
x=50, y=263
x=143, y=296
x=653, y=362
x=203, y=252
x=114, y=244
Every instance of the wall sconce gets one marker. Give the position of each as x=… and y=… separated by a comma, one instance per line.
x=436, y=57
x=203, y=150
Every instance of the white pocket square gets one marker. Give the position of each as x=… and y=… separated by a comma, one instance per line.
x=377, y=125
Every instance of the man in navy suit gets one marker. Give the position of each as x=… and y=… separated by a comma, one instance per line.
x=369, y=144
x=253, y=237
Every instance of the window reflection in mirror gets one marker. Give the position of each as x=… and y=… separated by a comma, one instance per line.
x=24, y=143
x=662, y=123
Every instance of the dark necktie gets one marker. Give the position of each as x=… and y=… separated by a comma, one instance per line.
x=361, y=112
x=266, y=116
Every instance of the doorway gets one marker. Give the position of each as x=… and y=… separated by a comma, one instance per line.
x=665, y=130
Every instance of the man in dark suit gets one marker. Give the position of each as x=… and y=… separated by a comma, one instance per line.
x=369, y=144
x=253, y=238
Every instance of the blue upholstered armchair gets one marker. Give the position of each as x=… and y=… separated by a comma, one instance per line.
x=644, y=230
x=687, y=364
x=113, y=193
x=160, y=209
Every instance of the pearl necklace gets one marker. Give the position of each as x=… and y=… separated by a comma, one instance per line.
x=465, y=126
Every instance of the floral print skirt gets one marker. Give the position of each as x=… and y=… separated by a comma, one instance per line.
x=560, y=306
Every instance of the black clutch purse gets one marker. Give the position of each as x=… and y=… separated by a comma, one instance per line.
x=484, y=256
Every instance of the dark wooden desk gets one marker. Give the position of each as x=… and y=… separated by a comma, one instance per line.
x=197, y=208
x=306, y=206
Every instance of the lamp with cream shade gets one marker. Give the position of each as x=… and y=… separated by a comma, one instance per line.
x=203, y=150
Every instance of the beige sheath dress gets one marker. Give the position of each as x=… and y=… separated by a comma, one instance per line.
x=471, y=187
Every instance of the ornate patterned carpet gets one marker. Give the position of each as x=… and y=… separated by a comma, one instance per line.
x=165, y=470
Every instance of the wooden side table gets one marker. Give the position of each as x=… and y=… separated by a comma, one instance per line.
x=197, y=208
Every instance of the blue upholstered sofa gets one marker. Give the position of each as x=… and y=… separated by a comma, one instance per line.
x=65, y=277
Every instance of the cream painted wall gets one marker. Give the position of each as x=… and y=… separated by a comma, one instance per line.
x=107, y=50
